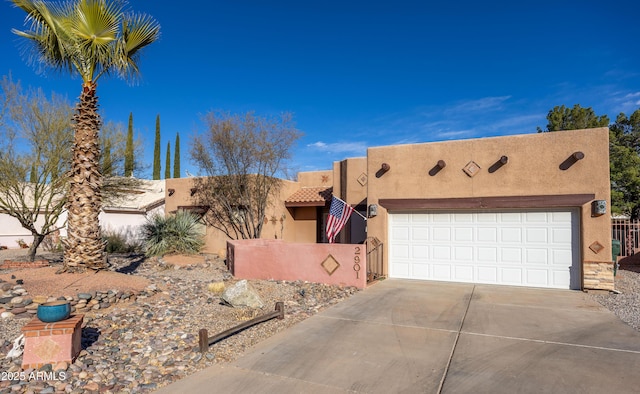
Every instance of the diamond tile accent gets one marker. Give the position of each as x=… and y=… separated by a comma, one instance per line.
x=596, y=247
x=471, y=169
x=330, y=265
x=362, y=179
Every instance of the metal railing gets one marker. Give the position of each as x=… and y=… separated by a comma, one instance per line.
x=204, y=341
x=626, y=231
x=375, y=259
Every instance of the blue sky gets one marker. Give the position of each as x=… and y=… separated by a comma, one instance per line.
x=366, y=73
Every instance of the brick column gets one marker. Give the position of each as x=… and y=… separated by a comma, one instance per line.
x=49, y=343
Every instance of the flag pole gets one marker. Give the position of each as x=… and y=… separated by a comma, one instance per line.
x=345, y=203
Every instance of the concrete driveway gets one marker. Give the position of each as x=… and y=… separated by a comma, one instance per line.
x=402, y=336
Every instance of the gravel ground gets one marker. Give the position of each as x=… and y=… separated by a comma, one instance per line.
x=626, y=304
x=142, y=345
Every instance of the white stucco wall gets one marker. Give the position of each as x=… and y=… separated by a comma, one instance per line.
x=11, y=230
x=127, y=223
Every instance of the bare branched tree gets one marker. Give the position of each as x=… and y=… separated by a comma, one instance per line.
x=242, y=156
x=36, y=134
x=35, y=160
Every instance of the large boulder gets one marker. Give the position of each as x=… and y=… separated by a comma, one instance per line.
x=242, y=294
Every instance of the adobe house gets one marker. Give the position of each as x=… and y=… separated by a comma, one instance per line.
x=279, y=223
x=524, y=210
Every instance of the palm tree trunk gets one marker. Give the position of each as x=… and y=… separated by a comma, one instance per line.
x=84, y=247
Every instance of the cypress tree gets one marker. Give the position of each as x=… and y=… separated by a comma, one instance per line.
x=34, y=174
x=107, y=165
x=156, y=151
x=128, y=152
x=176, y=157
x=167, y=168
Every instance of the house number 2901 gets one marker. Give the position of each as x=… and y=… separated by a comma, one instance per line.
x=356, y=262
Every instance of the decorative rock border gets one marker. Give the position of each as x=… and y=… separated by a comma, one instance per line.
x=16, y=302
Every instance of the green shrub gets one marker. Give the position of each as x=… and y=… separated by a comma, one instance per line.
x=179, y=233
x=121, y=242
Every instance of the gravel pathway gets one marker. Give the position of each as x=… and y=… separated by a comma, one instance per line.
x=139, y=346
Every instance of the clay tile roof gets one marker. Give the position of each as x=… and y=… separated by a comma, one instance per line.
x=309, y=197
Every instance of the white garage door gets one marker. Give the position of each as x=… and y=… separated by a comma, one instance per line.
x=522, y=248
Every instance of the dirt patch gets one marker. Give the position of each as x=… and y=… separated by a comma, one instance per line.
x=183, y=260
x=45, y=281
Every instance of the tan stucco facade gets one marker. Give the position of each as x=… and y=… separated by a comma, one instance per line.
x=533, y=168
x=279, y=223
x=568, y=169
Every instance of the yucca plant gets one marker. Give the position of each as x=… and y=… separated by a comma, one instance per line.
x=178, y=233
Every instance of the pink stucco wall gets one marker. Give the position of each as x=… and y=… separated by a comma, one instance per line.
x=280, y=260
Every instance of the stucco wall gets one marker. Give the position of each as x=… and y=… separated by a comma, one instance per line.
x=344, y=265
x=346, y=184
x=127, y=223
x=305, y=225
x=316, y=178
x=279, y=223
x=11, y=230
x=532, y=170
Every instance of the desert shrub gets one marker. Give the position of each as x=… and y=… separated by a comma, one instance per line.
x=178, y=233
x=121, y=241
x=52, y=242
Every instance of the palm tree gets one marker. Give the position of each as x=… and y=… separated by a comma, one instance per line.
x=89, y=38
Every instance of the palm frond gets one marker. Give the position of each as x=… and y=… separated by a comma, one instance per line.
x=138, y=31
x=91, y=37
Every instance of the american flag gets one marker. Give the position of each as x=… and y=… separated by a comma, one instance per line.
x=339, y=213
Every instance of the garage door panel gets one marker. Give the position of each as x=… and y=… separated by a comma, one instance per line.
x=463, y=253
x=420, y=233
x=441, y=218
x=537, y=256
x=420, y=271
x=511, y=276
x=511, y=217
x=561, y=217
x=536, y=217
x=442, y=234
x=511, y=234
x=400, y=270
x=441, y=253
x=463, y=218
x=400, y=233
x=487, y=254
x=559, y=278
x=511, y=255
x=537, y=235
x=400, y=251
x=561, y=257
x=488, y=274
x=537, y=277
x=463, y=273
x=526, y=248
x=442, y=272
x=420, y=253
x=487, y=217
x=487, y=234
x=560, y=236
